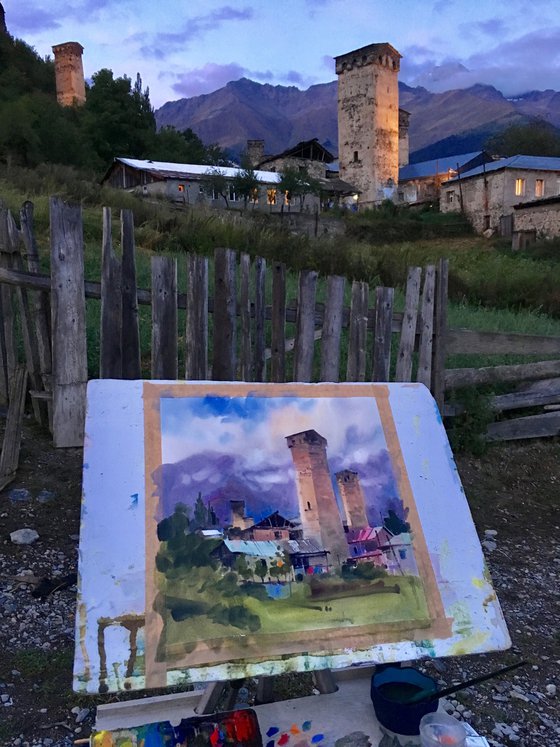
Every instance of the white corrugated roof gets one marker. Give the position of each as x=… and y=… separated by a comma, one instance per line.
x=264, y=548
x=193, y=169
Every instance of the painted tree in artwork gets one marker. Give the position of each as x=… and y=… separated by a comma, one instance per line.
x=261, y=569
x=242, y=568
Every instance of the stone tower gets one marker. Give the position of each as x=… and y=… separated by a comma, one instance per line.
x=255, y=151
x=3, y=27
x=368, y=121
x=352, y=499
x=319, y=513
x=404, y=150
x=69, y=72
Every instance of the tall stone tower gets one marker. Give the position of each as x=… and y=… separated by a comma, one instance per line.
x=353, y=499
x=368, y=121
x=318, y=509
x=3, y=27
x=69, y=73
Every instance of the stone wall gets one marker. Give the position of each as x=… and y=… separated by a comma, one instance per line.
x=544, y=219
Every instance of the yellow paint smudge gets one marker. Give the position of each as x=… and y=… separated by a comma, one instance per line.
x=469, y=644
x=479, y=583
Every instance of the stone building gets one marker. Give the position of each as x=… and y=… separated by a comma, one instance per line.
x=539, y=216
x=69, y=74
x=488, y=193
x=368, y=121
x=421, y=182
x=353, y=499
x=319, y=514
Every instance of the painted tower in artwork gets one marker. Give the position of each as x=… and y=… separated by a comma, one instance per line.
x=318, y=509
x=69, y=74
x=353, y=499
x=368, y=121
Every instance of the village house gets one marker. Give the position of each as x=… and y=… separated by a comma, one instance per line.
x=421, y=182
x=188, y=184
x=540, y=217
x=488, y=193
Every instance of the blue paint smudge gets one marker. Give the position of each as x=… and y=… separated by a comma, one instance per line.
x=317, y=738
x=134, y=503
x=306, y=725
x=271, y=743
x=272, y=731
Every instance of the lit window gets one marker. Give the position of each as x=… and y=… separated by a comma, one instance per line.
x=286, y=197
x=181, y=187
x=271, y=196
x=519, y=187
x=539, y=187
x=255, y=195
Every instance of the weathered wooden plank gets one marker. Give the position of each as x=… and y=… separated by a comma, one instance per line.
x=8, y=348
x=245, y=357
x=382, y=344
x=68, y=313
x=500, y=343
x=357, y=334
x=332, y=329
x=459, y=377
x=424, y=373
x=305, y=326
x=533, y=426
x=40, y=305
x=196, y=332
x=110, y=358
x=278, y=333
x=31, y=347
x=164, y=318
x=9, y=457
x=224, y=339
x=439, y=350
x=259, y=362
x=408, y=329
x=514, y=401
x=130, y=337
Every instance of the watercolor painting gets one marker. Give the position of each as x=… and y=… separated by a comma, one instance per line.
x=249, y=529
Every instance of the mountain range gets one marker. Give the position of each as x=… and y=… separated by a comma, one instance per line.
x=441, y=124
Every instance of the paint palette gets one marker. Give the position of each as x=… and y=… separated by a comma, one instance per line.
x=233, y=530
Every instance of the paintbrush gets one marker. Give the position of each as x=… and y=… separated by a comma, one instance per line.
x=426, y=697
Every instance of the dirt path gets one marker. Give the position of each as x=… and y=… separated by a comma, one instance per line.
x=514, y=494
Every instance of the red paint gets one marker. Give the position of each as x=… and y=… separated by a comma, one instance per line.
x=215, y=737
x=284, y=739
x=244, y=723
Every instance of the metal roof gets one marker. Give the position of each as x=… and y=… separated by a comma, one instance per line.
x=262, y=548
x=529, y=163
x=302, y=546
x=185, y=170
x=436, y=166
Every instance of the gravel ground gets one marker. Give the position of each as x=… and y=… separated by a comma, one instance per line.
x=514, y=493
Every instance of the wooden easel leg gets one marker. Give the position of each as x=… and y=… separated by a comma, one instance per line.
x=265, y=690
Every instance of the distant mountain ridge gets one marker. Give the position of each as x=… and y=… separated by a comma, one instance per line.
x=455, y=121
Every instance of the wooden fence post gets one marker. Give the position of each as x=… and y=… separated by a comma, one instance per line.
x=260, y=308
x=131, y=368
x=245, y=357
x=382, y=337
x=440, y=333
x=225, y=319
x=357, y=332
x=40, y=306
x=7, y=318
x=110, y=357
x=424, y=375
x=68, y=309
x=278, y=339
x=305, y=326
x=196, y=331
x=332, y=328
x=164, y=318
x=409, y=322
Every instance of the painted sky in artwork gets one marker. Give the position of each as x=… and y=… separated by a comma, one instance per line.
x=235, y=448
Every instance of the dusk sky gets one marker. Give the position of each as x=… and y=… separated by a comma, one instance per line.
x=183, y=49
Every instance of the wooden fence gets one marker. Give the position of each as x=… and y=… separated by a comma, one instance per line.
x=227, y=332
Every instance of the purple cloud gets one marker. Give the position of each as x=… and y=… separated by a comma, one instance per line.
x=25, y=19
x=193, y=28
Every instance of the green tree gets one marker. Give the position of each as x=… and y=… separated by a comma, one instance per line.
x=246, y=184
x=119, y=119
x=261, y=569
x=298, y=183
x=215, y=182
x=243, y=568
x=539, y=138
